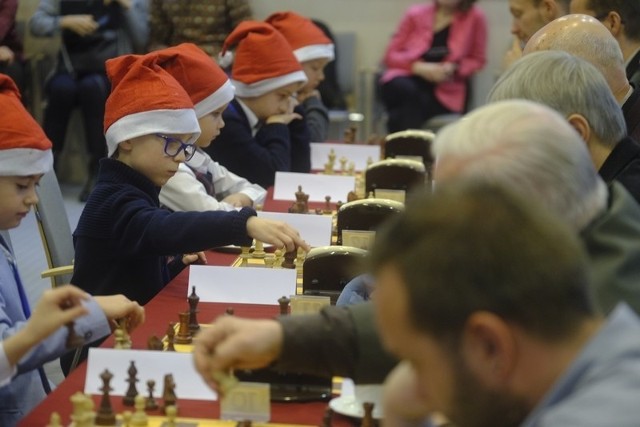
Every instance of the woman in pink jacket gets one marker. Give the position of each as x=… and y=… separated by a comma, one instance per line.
x=435, y=49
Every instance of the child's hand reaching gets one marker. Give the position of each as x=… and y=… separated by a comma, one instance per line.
x=196, y=258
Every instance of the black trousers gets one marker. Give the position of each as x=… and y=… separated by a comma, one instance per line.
x=410, y=101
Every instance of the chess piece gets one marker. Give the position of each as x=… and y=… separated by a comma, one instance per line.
x=168, y=392
x=351, y=169
x=171, y=333
x=77, y=401
x=351, y=196
x=139, y=417
x=343, y=165
x=126, y=418
x=244, y=423
x=349, y=135
x=299, y=262
x=371, y=195
x=123, y=325
x=229, y=311
x=302, y=201
x=73, y=339
x=183, y=336
x=129, y=398
x=269, y=261
x=289, y=258
x=193, y=299
x=244, y=256
x=283, y=302
x=258, y=207
x=259, y=252
x=367, y=419
x=332, y=159
x=326, y=419
x=151, y=403
x=278, y=258
x=338, y=205
x=154, y=343
x=369, y=161
x=327, y=205
x=171, y=412
x=105, y=416
x=118, y=339
x=328, y=169
x=54, y=420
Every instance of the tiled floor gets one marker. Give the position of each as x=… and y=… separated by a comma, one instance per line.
x=31, y=260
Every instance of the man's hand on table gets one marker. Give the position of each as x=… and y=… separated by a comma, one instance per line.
x=235, y=343
x=277, y=233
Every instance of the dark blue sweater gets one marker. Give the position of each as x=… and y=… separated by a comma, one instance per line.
x=123, y=237
x=276, y=147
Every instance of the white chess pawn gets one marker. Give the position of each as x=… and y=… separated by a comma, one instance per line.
x=171, y=412
x=244, y=256
x=139, y=417
x=258, y=252
x=54, y=420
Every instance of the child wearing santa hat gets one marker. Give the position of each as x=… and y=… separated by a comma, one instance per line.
x=31, y=339
x=263, y=133
x=123, y=237
x=200, y=181
x=314, y=50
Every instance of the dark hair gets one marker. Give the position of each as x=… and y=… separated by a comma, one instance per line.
x=629, y=11
x=465, y=5
x=478, y=247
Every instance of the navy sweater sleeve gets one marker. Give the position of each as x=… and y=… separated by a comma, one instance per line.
x=300, y=143
x=255, y=158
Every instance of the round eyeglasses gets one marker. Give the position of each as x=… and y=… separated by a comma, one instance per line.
x=173, y=147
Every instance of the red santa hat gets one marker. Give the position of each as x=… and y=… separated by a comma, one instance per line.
x=263, y=60
x=145, y=99
x=200, y=76
x=24, y=148
x=306, y=39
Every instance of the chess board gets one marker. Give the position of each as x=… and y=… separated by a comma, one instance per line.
x=160, y=421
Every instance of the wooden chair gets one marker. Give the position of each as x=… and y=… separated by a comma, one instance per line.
x=327, y=269
x=395, y=174
x=55, y=231
x=365, y=214
x=412, y=143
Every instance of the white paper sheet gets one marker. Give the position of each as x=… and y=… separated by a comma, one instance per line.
x=317, y=186
x=242, y=285
x=151, y=365
x=356, y=153
x=314, y=229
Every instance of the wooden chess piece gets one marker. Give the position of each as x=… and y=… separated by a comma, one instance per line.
x=151, y=404
x=139, y=417
x=126, y=418
x=289, y=258
x=118, y=339
x=105, y=415
x=299, y=262
x=332, y=159
x=343, y=165
x=244, y=423
x=193, y=299
x=259, y=252
x=229, y=311
x=54, y=420
x=367, y=419
x=129, y=398
x=328, y=169
x=77, y=401
x=283, y=302
x=154, y=343
x=73, y=339
x=171, y=333
x=168, y=392
x=327, y=205
x=278, y=258
x=352, y=196
x=123, y=324
x=269, y=261
x=244, y=256
x=183, y=336
x=351, y=169
x=171, y=412
x=338, y=205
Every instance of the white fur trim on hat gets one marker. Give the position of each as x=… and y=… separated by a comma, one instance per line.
x=25, y=161
x=315, y=51
x=263, y=86
x=217, y=99
x=150, y=122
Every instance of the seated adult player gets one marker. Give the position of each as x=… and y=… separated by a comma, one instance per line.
x=509, y=147
x=578, y=91
x=586, y=37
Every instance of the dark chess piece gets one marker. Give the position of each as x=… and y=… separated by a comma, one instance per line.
x=367, y=419
x=283, y=301
x=168, y=391
x=229, y=311
x=326, y=419
x=171, y=333
x=129, y=398
x=194, y=326
x=105, y=415
x=73, y=339
x=289, y=259
x=352, y=196
x=327, y=205
x=154, y=343
x=183, y=336
x=244, y=423
x=151, y=403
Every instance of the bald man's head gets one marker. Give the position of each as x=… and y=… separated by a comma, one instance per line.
x=585, y=37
